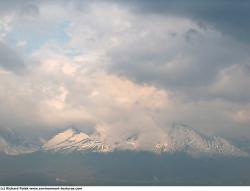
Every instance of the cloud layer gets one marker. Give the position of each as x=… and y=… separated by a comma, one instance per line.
x=124, y=68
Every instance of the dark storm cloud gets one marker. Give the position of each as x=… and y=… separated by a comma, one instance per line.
x=229, y=16
x=194, y=65
x=10, y=60
x=190, y=66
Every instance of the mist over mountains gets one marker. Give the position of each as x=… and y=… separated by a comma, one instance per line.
x=72, y=157
x=178, y=138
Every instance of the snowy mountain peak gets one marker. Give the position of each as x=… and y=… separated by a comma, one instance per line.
x=74, y=140
x=178, y=138
x=181, y=138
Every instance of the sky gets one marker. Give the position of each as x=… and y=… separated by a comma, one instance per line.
x=121, y=68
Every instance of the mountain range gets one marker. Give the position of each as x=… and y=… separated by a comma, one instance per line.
x=179, y=139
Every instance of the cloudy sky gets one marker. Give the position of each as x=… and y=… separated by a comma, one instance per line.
x=126, y=67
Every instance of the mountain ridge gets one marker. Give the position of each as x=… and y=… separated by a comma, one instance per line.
x=12, y=143
x=178, y=138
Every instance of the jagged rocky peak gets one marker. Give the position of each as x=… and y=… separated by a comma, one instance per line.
x=73, y=139
x=178, y=138
x=181, y=138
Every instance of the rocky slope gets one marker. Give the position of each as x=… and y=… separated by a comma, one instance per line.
x=74, y=140
x=13, y=144
x=179, y=138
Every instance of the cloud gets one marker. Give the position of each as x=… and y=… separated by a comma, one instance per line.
x=10, y=60
x=231, y=18
x=163, y=50
x=174, y=53
x=62, y=91
x=29, y=10
x=51, y=96
x=124, y=68
x=232, y=83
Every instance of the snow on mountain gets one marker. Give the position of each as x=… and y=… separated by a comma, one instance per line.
x=74, y=140
x=13, y=144
x=178, y=138
x=181, y=138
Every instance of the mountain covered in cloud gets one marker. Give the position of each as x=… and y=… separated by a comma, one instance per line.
x=184, y=139
x=73, y=157
x=11, y=143
x=178, y=139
